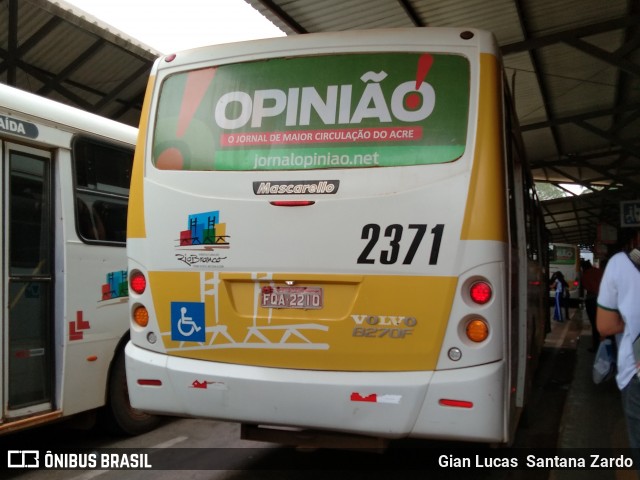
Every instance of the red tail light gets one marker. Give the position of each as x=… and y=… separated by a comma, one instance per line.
x=480, y=292
x=292, y=203
x=138, y=282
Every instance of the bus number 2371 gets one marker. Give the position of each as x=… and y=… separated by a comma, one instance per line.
x=394, y=233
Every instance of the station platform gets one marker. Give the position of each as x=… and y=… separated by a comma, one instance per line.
x=592, y=415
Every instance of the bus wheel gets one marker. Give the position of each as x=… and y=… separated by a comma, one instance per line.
x=118, y=416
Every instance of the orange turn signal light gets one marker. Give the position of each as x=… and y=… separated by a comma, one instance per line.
x=477, y=330
x=141, y=316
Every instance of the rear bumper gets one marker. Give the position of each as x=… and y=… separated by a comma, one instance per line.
x=384, y=404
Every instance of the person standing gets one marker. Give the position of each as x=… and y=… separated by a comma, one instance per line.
x=559, y=283
x=591, y=278
x=618, y=313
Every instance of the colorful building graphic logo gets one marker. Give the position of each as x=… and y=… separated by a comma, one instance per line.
x=205, y=229
x=116, y=286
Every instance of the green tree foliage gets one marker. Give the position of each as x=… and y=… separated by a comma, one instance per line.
x=548, y=191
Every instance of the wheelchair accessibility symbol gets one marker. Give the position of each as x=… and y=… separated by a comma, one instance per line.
x=187, y=321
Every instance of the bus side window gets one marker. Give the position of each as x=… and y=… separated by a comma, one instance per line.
x=90, y=225
x=113, y=217
x=102, y=173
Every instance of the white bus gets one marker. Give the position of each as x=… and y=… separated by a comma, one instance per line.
x=349, y=242
x=65, y=188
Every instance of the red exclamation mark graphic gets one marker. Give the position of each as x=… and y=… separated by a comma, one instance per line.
x=425, y=62
x=198, y=82
x=195, y=89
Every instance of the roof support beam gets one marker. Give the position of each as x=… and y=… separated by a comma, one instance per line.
x=543, y=41
x=628, y=146
x=581, y=117
x=13, y=42
x=542, y=84
x=599, y=53
x=72, y=67
x=114, y=92
x=15, y=52
x=411, y=13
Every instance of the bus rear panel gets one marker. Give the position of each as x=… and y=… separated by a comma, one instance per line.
x=318, y=237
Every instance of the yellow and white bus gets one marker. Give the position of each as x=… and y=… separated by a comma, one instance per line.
x=335, y=233
x=65, y=188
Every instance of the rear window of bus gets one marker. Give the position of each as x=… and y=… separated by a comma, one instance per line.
x=314, y=112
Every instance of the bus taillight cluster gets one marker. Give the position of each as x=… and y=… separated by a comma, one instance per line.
x=138, y=283
x=477, y=329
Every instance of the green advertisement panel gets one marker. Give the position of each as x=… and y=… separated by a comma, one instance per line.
x=313, y=112
x=563, y=255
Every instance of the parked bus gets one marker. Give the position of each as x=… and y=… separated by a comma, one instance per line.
x=565, y=258
x=349, y=242
x=66, y=177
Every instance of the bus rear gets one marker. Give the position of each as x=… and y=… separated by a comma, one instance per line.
x=318, y=237
x=565, y=258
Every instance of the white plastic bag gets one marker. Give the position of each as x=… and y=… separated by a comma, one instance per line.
x=604, y=365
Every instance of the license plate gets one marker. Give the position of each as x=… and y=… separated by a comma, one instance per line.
x=306, y=298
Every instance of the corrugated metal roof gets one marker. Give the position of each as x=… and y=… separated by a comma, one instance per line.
x=60, y=52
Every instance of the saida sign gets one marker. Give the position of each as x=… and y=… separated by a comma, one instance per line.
x=630, y=213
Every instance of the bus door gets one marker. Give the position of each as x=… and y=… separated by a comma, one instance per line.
x=27, y=310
